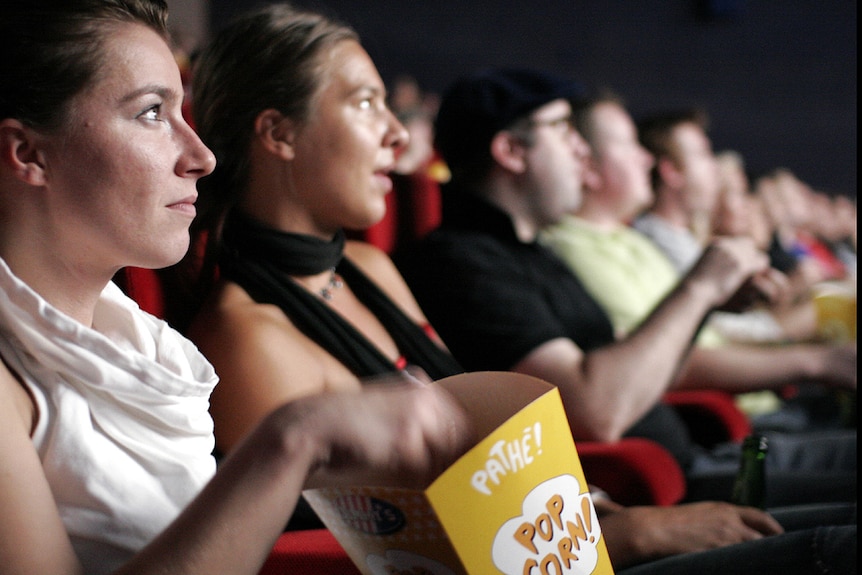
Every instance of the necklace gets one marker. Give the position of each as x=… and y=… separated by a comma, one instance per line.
x=333, y=284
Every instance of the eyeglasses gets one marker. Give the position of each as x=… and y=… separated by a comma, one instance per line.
x=562, y=124
x=564, y=127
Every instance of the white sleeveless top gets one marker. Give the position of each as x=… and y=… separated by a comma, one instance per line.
x=123, y=430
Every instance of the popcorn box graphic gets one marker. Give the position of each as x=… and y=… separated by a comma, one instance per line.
x=516, y=503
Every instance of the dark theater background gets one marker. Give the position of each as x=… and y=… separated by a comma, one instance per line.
x=777, y=77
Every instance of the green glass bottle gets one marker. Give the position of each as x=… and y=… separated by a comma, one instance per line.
x=750, y=485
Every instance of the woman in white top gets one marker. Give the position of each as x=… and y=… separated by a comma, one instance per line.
x=105, y=439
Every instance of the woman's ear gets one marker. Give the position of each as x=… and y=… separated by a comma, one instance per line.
x=276, y=132
x=20, y=153
x=509, y=151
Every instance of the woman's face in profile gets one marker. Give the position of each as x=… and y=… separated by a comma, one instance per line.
x=345, y=151
x=122, y=168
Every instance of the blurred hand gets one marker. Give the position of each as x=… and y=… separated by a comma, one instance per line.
x=770, y=287
x=638, y=534
x=736, y=272
x=402, y=433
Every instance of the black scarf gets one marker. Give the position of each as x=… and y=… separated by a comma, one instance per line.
x=261, y=260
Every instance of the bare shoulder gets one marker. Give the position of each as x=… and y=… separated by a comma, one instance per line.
x=240, y=335
x=378, y=266
x=229, y=312
x=262, y=359
x=369, y=258
x=32, y=536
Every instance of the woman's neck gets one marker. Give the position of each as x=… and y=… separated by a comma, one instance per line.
x=70, y=288
x=287, y=220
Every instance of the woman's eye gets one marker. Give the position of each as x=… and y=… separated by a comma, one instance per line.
x=365, y=104
x=153, y=113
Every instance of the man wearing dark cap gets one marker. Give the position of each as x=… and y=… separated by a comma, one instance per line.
x=501, y=301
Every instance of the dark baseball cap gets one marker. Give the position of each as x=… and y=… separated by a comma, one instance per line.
x=476, y=107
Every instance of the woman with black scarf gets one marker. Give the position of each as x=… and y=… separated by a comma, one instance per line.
x=305, y=143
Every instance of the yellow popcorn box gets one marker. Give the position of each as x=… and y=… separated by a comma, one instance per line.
x=516, y=503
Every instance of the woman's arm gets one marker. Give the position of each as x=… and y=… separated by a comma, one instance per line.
x=33, y=539
x=399, y=434
x=402, y=434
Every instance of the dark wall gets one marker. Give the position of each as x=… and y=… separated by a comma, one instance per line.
x=778, y=77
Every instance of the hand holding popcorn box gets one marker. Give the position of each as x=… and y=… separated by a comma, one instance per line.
x=516, y=504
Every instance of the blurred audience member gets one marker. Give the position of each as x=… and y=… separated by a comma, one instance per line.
x=738, y=212
x=502, y=301
x=685, y=183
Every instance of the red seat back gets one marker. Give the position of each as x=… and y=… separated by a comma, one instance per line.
x=313, y=552
x=145, y=287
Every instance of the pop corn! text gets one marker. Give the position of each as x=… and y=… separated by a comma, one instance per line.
x=549, y=526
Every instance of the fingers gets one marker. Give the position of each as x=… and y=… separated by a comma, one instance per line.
x=772, y=285
x=447, y=428
x=727, y=264
x=731, y=524
x=763, y=523
x=432, y=434
x=742, y=299
x=397, y=432
x=688, y=528
x=767, y=286
x=742, y=253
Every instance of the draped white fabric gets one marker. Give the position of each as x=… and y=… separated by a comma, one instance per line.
x=123, y=432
